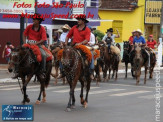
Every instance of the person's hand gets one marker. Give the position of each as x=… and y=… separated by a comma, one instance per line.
x=116, y=30
x=77, y=44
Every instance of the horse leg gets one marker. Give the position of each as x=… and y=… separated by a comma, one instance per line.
x=26, y=99
x=41, y=90
x=56, y=74
x=145, y=75
x=113, y=73
x=151, y=72
x=87, y=91
x=70, y=98
x=109, y=73
x=64, y=81
x=126, y=65
x=81, y=93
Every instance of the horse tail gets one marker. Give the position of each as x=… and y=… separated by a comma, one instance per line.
x=48, y=72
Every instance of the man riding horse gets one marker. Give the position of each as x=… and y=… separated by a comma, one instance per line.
x=36, y=35
x=81, y=36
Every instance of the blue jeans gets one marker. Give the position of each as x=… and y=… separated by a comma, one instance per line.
x=92, y=61
x=109, y=47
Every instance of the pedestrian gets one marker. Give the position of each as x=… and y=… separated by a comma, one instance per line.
x=151, y=42
x=7, y=51
x=47, y=42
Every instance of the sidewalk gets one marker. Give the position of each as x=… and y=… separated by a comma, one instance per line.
x=3, y=66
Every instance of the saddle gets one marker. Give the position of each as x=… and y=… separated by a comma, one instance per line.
x=36, y=51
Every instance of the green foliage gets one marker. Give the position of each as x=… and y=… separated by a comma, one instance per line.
x=99, y=35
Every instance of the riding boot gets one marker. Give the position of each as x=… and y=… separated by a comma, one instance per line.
x=91, y=74
x=61, y=75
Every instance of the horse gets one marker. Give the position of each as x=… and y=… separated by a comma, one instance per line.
x=126, y=56
x=115, y=62
x=54, y=50
x=74, y=70
x=23, y=59
x=141, y=59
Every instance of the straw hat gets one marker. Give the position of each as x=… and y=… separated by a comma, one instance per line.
x=133, y=31
x=66, y=26
x=138, y=30
x=59, y=30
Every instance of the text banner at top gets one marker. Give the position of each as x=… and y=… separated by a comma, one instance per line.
x=153, y=12
x=6, y=6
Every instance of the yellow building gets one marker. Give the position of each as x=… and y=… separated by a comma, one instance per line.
x=126, y=17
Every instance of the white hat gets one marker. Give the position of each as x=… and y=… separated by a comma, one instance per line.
x=59, y=30
x=66, y=26
x=133, y=31
x=138, y=30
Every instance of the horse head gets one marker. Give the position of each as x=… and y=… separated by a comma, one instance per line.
x=68, y=56
x=15, y=57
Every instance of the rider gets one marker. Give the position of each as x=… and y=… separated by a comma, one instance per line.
x=131, y=39
x=108, y=41
x=36, y=35
x=113, y=36
x=151, y=42
x=140, y=40
x=80, y=33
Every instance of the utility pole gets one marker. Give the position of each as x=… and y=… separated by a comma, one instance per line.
x=161, y=22
x=159, y=60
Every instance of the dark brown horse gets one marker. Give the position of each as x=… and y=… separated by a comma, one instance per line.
x=75, y=69
x=141, y=59
x=126, y=56
x=24, y=61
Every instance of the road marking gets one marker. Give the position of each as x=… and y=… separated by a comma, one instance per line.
x=76, y=89
x=49, y=88
x=9, y=89
x=104, y=91
x=129, y=93
x=150, y=96
x=133, y=86
x=7, y=86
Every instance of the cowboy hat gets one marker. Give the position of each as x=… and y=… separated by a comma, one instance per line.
x=82, y=17
x=59, y=30
x=138, y=30
x=151, y=36
x=109, y=30
x=133, y=31
x=66, y=26
x=38, y=16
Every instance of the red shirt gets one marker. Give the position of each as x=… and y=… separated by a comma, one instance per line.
x=151, y=44
x=35, y=35
x=131, y=39
x=79, y=36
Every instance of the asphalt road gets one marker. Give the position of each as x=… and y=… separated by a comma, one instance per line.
x=113, y=101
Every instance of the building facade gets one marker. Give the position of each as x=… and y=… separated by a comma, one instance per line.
x=10, y=27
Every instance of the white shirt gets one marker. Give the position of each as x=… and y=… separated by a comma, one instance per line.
x=63, y=37
x=92, y=39
x=113, y=36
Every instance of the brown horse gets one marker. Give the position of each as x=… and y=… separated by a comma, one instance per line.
x=74, y=70
x=24, y=61
x=141, y=59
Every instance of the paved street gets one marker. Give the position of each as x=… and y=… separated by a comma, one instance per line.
x=113, y=101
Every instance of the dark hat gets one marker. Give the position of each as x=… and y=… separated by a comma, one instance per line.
x=38, y=17
x=109, y=30
x=82, y=17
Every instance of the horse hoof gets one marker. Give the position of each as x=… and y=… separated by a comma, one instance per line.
x=85, y=104
x=23, y=102
x=68, y=110
x=73, y=107
x=27, y=100
x=43, y=100
x=37, y=102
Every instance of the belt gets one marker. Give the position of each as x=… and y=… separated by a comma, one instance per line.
x=32, y=41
